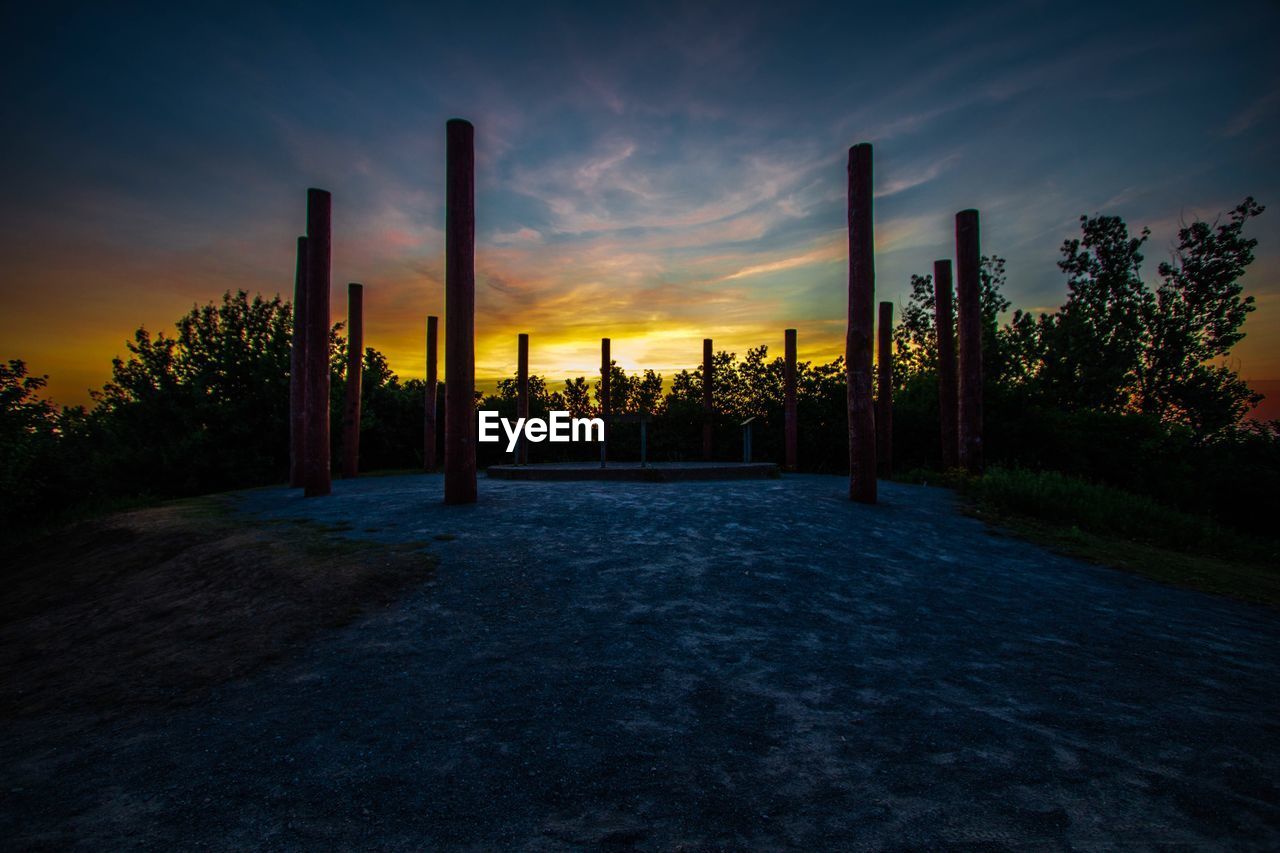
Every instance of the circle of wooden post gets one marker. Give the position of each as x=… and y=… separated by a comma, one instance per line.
x=969, y=305
x=298, y=371
x=606, y=374
x=430, y=403
x=355, y=378
x=316, y=475
x=858, y=340
x=459, y=315
x=948, y=402
x=708, y=404
x=522, y=394
x=790, y=424
x=884, y=391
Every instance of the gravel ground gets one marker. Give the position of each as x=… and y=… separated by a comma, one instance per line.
x=703, y=665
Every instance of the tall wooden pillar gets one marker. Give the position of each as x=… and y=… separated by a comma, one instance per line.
x=355, y=379
x=522, y=394
x=429, y=401
x=298, y=372
x=459, y=316
x=790, y=426
x=316, y=476
x=884, y=391
x=945, y=322
x=606, y=404
x=708, y=403
x=969, y=309
x=862, y=294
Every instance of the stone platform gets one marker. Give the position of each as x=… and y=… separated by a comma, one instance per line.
x=661, y=472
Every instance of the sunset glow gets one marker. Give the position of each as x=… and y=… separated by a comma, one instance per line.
x=655, y=176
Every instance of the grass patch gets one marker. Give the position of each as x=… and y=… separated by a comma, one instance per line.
x=156, y=606
x=1132, y=532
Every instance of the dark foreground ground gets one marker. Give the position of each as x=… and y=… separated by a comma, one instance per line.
x=702, y=665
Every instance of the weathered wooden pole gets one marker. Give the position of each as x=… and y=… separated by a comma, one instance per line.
x=969, y=309
x=355, y=377
x=606, y=372
x=945, y=322
x=316, y=476
x=429, y=401
x=790, y=426
x=708, y=404
x=522, y=394
x=459, y=315
x=298, y=371
x=884, y=391
x=857, y=347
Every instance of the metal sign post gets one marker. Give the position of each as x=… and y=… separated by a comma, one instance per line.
x=746, y=439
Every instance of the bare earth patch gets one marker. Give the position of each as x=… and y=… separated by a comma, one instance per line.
x=153, y=607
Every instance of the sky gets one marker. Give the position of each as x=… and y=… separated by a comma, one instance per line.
x=653, y=173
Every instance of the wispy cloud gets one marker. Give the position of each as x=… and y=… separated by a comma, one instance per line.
x=654, y=173
x=1265, y=107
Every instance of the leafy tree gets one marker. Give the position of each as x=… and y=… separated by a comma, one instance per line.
x=1023, y=350
x=577, y=398
x=1196, y=317
x=28, y=434
x=621, y=391
x=992, y=303
x=647, y=392
x=760, y=386
x=539, y=397
x=1115, y=346
x=206, y=409
x=23, y=412
x=1092, y=346
x=915, y=336
x=391, y=414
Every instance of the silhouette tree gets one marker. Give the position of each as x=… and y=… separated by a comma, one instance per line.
x=577, y=398
x=1091, y=347
x=1196, y=317
x=28, y=435
x=206, y=409
x=915, y=337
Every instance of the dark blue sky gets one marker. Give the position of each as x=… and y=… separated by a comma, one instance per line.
x=656, y=172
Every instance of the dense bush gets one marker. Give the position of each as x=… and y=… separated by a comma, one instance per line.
x=1070, y=501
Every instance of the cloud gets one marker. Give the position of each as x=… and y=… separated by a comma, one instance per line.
x=909, y=179
x=522, y=236
x=1260, y=110
x=823, y=254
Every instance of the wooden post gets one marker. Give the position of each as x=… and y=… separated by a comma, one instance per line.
x=884, y=391
x=355, y=377
x=522, y=394
x=430, y=402
x=298, y=370
x=945, y=322
x=789, y=416
x=969, y=309
x=708, y=404
x=459, y=315
x=316, y=476
x=606, y=373
x=862, y=294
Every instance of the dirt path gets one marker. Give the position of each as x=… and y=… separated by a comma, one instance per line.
x=758, y=664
